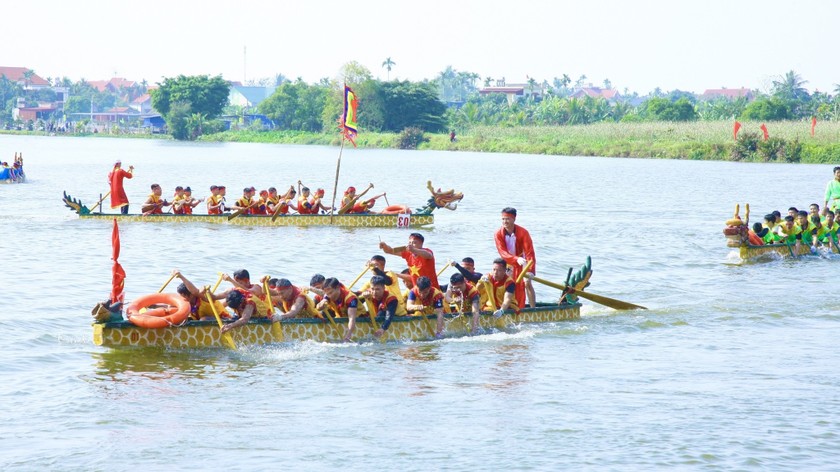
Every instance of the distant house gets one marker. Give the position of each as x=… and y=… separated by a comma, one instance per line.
x=142, y=104
x=43, y=111
x=514, y=91
x=730, y=94
x=24, y=77
x=113, y=115
x=248, y=97
x=113, y=86
x=610, y=95
x=154, y=123
x=30, y=81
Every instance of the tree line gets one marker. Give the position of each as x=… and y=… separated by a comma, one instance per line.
x=191, y=105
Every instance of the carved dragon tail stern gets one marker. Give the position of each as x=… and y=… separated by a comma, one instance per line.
x=75, y=205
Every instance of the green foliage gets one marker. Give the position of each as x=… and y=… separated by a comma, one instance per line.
x=767, y=109
x=178, y=120
x=296, y=106
x=793, y=151
x=745, y=146
x=408, y=104
x=411, y=138
x=199, y=94
x=771, y=149
x=663, y=109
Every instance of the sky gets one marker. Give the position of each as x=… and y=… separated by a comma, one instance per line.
x=638, y=45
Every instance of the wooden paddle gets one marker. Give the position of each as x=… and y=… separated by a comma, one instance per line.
x=491, y=298
x=240, y=211
x=606, y=301
x=349, y=205
x=367, y=268
x=167, y=283
x=329, y=317
x=524, y=270
x=100, y=201
x=372, y=313
x=227, y=339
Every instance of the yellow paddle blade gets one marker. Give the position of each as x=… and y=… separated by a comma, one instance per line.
x=227, y=339
x=600, y=299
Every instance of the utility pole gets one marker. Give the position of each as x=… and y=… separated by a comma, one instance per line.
x=244, y=64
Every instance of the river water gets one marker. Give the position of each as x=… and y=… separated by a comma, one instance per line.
x=733, y=367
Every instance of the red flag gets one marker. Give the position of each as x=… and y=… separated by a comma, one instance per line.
x=813, y=124
x=764, y=130
x=117, y=272
x=737, y=128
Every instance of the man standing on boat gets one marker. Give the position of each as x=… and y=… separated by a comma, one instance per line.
x=115, y=178
x=515, y=246
x=421, y=261
x=832, y=192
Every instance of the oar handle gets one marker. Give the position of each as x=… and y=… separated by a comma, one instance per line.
x=218, y=282
x=524, y=270
x=101, y=200
x=167, y=283
x=226, y=337
x=367, y=268
x=442, y=269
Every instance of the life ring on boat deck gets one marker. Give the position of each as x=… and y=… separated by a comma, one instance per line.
x=175, y=311
x=396, y=210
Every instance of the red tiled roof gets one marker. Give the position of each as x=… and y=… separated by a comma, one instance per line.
x=142, y=98
x=100, y=85
x=16, y=74
x=119, y=82
x=118, y=110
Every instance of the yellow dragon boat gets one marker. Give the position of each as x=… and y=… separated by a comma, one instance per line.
x=111, y=330
x=204, y=334
x=737, y=233
x=405, y=218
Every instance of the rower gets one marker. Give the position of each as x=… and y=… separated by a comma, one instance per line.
x=291, y=301
x=424, y=299
x=465, y=297
x=154, y=203
x=383, y=302
x=342, y=302
x=501, y=289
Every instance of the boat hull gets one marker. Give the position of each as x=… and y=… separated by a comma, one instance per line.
x=749, y=251
x=371, y=220
x=206, y=334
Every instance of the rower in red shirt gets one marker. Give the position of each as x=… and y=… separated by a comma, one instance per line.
x=421, y=261
x=515, y=246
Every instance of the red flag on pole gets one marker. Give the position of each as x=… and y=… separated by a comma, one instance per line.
x=117, y=272
x=764, y=130
x=736, y=129
x=813, y=124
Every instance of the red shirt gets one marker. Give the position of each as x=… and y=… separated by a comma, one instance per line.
x=524, y=247
x=420, y=266
x=118, y=196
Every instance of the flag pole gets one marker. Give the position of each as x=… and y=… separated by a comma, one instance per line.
x=337, y=169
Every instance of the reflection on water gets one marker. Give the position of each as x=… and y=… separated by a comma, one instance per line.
x=510, y=369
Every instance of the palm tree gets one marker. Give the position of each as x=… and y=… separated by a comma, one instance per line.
x=387, y=64
x=487, y=81
x=790, y=87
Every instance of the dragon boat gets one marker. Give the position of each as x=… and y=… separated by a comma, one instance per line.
x=737, y=233
x=110, y=330
x=399, y=216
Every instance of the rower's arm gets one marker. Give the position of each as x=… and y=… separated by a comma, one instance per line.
x=388, y=314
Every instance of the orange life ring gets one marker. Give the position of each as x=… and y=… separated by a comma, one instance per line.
x=396, y=210
x=175, y=311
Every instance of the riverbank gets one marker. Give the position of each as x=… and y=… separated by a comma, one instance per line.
x=790, y=141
